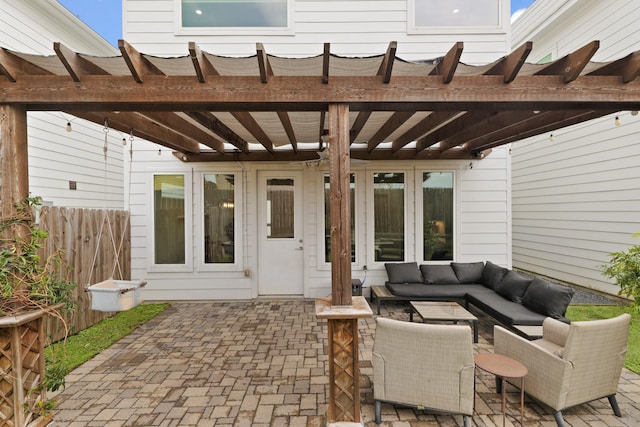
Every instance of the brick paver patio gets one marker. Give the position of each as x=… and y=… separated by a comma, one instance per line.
x=263, y=363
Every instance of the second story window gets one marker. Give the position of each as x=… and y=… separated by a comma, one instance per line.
x=235, y=13
x=428, y=15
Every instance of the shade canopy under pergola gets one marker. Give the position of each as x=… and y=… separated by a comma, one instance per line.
x=212, y=108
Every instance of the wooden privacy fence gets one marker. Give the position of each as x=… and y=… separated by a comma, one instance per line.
x=92, y=241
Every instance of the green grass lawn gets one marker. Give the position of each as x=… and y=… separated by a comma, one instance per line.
x=592, y=312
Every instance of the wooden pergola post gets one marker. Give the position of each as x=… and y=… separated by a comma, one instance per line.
x=14, y=164
x=342, y=310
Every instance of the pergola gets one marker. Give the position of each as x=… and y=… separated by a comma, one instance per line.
x=266, y=108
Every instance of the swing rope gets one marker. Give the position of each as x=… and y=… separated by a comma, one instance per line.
x=106, y=218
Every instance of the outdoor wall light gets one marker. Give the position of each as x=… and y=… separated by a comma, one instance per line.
x=617, y=121
x=634, y=113
x=68, y=127
x=551, y=138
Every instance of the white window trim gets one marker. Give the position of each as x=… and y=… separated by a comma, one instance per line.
x=237, y=265
x=503, y=21
x=420, y=212
x=408, y=189
x=230, y=31
x=152, y=267
x=322, y=263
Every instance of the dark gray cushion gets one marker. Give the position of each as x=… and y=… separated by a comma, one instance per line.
x=468, y=272
x=436, y=273
x=513, y=286
x=505, y=311
x=403, y=272
x=546, y=298
x=448, y=292
x=492, y=275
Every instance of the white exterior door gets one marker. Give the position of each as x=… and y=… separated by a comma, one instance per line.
x=280, y=245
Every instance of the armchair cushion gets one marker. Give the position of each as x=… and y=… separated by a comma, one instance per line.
x=403, y=272
x=546, y=298
x=441, y=274
x=513, y=286
x=468, y=272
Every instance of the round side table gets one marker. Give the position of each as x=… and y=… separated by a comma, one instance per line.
x=504, y=367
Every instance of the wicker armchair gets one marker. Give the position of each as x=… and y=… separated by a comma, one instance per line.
x=571, y=364
x=423, y=365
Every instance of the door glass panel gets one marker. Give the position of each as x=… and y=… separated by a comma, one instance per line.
x=388, y=206
x=280, y=208
x=327, y=218
x=219, y=215
x=168, y=221
x=437, y=208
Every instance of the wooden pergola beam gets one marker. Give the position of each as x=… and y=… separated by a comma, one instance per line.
x=138, y=65
x=393, y=123
x=201, y=64
x=427, y=125
x=14, y=165
x=386, y=67
x=246, y=119
x=447, y=66
x=510, y=65
x=212, y=123
x=571, y=65
x=76, y=65
x=183, y=127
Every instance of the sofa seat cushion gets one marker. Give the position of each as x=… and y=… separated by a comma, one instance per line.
x=547, y=298
x=438, y=273
x=403, y=272
x=421, y=291
x=508, y=312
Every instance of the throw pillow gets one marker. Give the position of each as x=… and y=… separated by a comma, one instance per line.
x=438, y=274
x=513, y=286
x=546, y=298
x=404, y=272
x=468, y=272
x=492, y=275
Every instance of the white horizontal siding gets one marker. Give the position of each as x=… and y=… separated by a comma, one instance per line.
x=354, y=28
x=482, y=224
x=577, y=199
x=55, y=155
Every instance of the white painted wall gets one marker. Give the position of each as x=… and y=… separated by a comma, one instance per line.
x=354, y=28
x=482, y=221
x=55, y=155
x=577, y=199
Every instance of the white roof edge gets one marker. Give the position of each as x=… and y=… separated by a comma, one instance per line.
x=537, y=17
x=99, y=46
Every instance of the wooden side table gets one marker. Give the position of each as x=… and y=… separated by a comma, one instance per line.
x=504, y=367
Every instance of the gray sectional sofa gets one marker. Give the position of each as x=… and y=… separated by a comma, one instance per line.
x=506, y=295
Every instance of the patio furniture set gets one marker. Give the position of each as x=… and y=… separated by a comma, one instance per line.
x=431, y=366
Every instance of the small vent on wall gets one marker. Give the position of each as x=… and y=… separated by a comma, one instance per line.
x=73, y=185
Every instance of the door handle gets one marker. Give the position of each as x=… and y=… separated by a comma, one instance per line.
x=299, y=248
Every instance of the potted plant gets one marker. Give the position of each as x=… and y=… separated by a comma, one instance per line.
x=624, y=268
x=31, y=288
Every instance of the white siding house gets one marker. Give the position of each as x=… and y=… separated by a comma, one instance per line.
x=58, y=158
x=576, y=196
x=480, y=223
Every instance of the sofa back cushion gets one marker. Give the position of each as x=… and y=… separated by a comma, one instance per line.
x=468, y=272
x=403, y=272
x=547, y=298
x=437, y=273
x=492, y=275
x=513, y=286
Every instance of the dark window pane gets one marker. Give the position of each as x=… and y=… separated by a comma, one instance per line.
x=219, y=216
x=169, y=228
x=388, y=205
x=437, y=215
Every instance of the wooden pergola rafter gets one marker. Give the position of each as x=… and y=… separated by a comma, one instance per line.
x=212, y=108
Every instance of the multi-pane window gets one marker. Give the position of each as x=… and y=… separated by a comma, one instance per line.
x=456, y=13
x=169, y=219
x=389, y=216
x=437, y=216
x=327, y=218
x=234, y=13
x=219, y=218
